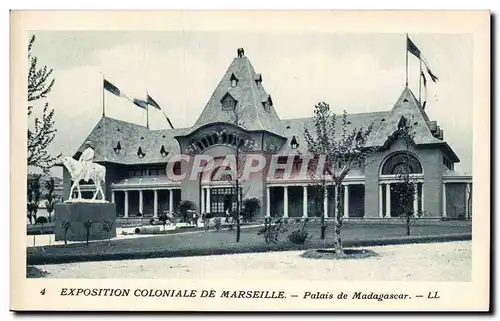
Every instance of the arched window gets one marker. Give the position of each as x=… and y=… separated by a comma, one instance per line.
x=401, y=163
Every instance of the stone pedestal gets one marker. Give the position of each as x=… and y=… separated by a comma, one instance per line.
x=79, y=213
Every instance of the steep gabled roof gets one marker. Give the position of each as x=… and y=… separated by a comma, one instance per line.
x=295, y=127
x=109, y=132
x=406, y=106
x=249, y=94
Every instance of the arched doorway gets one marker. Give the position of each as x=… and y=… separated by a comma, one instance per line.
x=219, y=189
x=397, y=171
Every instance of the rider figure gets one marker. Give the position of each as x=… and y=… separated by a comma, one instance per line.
x=86, y=159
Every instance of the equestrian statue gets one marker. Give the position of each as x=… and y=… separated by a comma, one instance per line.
x=85, y=169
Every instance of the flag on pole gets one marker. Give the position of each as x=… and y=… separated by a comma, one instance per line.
x=424, y=80
x=113, y=89
x=169, y=122
x=413, y=49
x=153, y=103
x=140, y=103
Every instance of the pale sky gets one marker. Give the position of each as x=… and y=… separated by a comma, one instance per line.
x=180, y=70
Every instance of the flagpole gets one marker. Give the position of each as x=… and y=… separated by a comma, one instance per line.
x=406, y=65
x=420, y=84
x=102, y=84
x=147, y=110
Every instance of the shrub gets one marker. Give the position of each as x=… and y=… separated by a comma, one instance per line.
x=217, y=223
x=271, y=230
x=298, y=236
x=138, y=214
x=41, y=220
x=250, y=207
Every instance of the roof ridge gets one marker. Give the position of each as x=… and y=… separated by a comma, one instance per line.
x=249, y=69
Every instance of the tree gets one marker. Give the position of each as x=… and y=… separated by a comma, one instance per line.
x=250, y=207
x=235, y=179
x=336, y=155
x=405, y=189
x=107, y=226
x=88, y=225
x=51, y=199
x=34, y=194
x=317, y=192
x=42, y=134
x=66, y=225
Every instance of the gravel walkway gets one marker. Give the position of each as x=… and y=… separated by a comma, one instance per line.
x=450, y=261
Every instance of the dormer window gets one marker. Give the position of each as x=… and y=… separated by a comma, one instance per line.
x=140, y=153
x=258, y=79
x=228, y=103
x=267, y=104
x=117, y=147
x=402, y=123
x=234, y=80
x=163, y=151
x=293, y=143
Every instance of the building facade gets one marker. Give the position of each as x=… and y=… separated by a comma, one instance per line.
x=240, y=116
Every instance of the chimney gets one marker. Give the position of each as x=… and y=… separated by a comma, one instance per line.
x=241, y=52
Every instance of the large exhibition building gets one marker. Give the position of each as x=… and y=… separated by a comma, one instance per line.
x=136, y=159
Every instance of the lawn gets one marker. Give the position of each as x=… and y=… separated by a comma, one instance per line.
x=223, y=242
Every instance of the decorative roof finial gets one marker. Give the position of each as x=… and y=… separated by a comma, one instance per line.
x=241, y=52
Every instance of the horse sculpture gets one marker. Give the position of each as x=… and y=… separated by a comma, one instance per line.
x=75, y=169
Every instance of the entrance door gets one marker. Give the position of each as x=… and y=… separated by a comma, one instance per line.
x=222, y=199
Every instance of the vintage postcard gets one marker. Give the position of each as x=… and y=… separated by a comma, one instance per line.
x=250, y=160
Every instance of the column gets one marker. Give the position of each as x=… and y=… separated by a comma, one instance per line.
x=304, y=201
x=415, y=199
x=346, y=201
x=325, y=201
x=202, y=207
x=422, y=199
x=141, y=205
x=467, y=194
x=113, y=197
x=285, y=201
x=155, y=203
x=125, y=208
x=380, y=200
x=268, y=201
x=444, y=200
x=388, y=200
x=208, y=210
x=171, y=201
